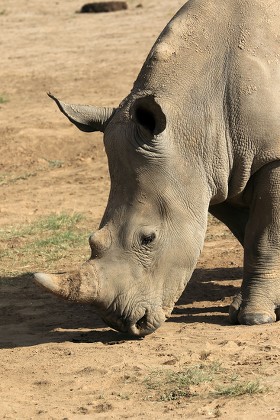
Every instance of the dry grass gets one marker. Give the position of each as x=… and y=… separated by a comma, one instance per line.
x=203, y=381
x=42, y=243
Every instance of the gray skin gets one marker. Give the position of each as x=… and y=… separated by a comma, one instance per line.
x=199, y=131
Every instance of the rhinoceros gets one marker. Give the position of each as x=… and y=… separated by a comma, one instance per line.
x=199, y=131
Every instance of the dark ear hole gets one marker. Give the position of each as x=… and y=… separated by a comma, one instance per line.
x=148, y=113
x=145, y=118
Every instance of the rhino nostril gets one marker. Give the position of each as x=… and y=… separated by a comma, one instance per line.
x=142, y=323
x=142, y=327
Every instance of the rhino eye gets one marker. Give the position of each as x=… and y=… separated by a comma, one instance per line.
x=147, y=239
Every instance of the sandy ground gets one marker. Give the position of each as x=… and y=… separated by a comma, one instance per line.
x=58, y=360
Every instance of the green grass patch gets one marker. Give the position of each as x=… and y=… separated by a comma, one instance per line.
x=54, y=164
x=203, y=381
x=3, y=99
x=41, y=244
x=6, y=179
x=168, y=385
x=240, y=388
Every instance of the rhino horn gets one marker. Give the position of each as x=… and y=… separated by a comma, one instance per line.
x=80, y=286
x=87, y=118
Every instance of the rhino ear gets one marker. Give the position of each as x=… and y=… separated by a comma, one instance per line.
x=148, y=114
x=86, y=117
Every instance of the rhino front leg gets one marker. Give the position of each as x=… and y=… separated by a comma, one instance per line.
x=259, y=299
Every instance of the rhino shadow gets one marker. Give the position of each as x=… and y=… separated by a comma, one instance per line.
x=30, y=316
x=209, y=285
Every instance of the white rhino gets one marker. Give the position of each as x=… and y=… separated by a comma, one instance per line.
x=199, y=131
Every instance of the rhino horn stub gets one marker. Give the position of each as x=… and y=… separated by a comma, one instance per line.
x=87, y=118
x=62, y=284
x=79, y=286
x=100, y=242
x=48, y=282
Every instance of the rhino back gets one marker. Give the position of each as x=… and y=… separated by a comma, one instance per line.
x=252, y=91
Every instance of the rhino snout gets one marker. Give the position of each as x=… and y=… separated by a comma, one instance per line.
x=145, y=323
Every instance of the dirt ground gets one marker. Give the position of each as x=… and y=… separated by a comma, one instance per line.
x=57, y=359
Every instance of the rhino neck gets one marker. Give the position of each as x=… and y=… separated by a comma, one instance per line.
x=185, y=58
x=187, y=73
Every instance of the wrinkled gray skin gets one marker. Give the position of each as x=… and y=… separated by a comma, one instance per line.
x=200, y=130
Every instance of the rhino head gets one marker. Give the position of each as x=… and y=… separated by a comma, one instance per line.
x=153, y=228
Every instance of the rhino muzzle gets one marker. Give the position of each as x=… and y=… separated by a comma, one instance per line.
x=84, y=286
x=142, y=323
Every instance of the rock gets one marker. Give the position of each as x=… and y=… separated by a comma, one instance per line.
x=104, y=7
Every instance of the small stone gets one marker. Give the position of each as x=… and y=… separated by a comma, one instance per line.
x=104, y=7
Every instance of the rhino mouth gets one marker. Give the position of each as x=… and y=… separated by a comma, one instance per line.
x=144, y=325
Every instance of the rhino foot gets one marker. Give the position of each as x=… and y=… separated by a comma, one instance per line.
x=256, y=318
x=239, y=315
